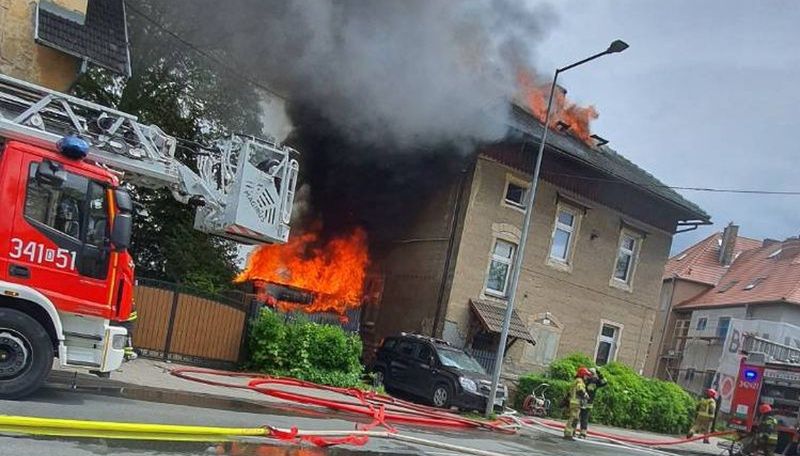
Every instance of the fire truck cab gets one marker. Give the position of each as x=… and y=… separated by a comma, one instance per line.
x=63, y=260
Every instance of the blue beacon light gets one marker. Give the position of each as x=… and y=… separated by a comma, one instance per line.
x=74, y=147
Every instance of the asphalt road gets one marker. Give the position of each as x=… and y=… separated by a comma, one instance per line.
x=59, y=402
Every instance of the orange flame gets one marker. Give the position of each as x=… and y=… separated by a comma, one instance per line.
x=534, y=94
x=334, y=270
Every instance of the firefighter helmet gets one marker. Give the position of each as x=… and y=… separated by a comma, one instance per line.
x=583, y=372
x=712, y=393
x=764, y=409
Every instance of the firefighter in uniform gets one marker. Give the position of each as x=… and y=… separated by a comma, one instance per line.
x=576, y=399
x=594, y=382
x=130, y=354
x=766, y=430
x=705, y=415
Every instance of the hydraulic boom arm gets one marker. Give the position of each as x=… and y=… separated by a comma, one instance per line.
x=243, y=187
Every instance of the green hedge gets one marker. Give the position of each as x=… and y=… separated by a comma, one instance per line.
x=629, y=400
x=305, y=350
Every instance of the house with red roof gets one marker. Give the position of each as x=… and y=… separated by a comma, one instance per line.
x=722, y=278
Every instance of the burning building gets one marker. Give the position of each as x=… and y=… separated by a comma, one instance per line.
x=442, y=230
x=402, y=112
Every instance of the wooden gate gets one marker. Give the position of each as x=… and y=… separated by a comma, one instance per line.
x=185, y=325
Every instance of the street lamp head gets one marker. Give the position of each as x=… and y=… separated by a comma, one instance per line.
x=617, y=46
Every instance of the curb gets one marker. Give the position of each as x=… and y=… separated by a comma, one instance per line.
x=87, y=383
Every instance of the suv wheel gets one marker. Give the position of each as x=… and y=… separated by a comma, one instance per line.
x=441, y=396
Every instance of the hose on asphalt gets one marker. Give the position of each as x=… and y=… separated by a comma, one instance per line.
x=384, y=410
x=182, y=433
x=630, y=440
x=371, y=404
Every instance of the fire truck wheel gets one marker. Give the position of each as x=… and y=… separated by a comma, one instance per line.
x=26, y=354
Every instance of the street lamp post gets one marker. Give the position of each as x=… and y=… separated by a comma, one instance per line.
x=615, y=47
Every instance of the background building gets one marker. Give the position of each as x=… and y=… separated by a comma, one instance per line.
x=759, y=288
x=687, y=275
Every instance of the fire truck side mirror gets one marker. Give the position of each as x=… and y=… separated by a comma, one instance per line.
x=123, y=200
x=121, y=231
x=51, y=174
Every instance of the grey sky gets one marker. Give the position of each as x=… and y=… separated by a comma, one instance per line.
x=707, y=95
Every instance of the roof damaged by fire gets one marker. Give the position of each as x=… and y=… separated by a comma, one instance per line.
x=600, y=167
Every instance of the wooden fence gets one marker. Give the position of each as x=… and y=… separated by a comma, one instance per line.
x=185, y=325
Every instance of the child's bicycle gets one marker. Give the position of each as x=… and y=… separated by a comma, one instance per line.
x=536, y=403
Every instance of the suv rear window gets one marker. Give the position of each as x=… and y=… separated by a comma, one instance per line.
x=406, y=347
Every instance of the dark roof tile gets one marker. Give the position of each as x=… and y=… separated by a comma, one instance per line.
x=602, y=158
x=102, y=38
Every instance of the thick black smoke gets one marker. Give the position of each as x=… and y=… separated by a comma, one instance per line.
x=382, y=94
x=371, y=186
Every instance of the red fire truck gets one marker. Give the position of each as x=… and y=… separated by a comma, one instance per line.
x=768, y=373
x=65, y=271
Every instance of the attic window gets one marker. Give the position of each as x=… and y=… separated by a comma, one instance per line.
x=515, y=194
x=775, y=253
x=727, y=286
x=754, y=283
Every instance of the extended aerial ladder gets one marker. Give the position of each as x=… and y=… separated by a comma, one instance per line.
x=243, y=187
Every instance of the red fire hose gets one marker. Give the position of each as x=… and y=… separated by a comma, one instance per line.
x=385, y=410
x=382, y=409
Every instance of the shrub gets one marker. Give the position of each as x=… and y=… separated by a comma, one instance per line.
x=629, y=400
x=304, y=350
x=565, y=368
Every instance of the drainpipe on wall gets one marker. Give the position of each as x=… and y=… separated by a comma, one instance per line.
x=440, y=299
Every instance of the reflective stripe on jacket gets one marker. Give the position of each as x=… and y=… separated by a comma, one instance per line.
x=706, y=407
x=577, y=393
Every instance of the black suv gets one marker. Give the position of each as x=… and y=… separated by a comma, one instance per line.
x=434, y=370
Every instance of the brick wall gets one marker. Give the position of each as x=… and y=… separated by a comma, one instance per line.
x=22, y=58
x=580, y=297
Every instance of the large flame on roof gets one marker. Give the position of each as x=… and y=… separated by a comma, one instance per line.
x=534, y=94
x=333, y=270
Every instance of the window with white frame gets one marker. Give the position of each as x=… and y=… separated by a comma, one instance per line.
x=563, y=233
x=626, y=257
x=500, y=267
x=607, y=344
x=515, y=194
